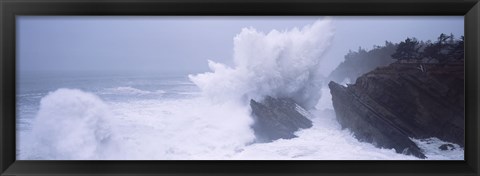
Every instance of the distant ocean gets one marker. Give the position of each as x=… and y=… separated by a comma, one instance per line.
x=165, y=116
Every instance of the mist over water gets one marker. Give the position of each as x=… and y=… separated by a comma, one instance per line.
x=199, y=116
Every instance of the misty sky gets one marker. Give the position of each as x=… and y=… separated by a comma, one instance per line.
x=158, y=44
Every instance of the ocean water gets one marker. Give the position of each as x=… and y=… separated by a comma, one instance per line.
x=195, y=115
x=77, y=116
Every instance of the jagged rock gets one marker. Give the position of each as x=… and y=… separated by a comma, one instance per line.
x=390, y=104
x=447, y=147
x=277, y=118
x=369, y=124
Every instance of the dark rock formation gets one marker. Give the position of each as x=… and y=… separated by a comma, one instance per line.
x=447, y=147
x=277, y=118
x=390, y=104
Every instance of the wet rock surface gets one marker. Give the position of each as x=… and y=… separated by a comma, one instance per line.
x=277, y=118
x=447, y=147
x=390, y=104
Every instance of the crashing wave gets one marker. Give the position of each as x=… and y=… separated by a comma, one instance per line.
x=71, y=124
x=278, y=64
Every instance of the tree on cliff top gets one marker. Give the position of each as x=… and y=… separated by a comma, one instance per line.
x=362, y=61
x=356, y=63
x=408, y=50
x=445, y=49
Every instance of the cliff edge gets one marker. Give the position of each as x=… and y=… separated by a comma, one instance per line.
x=392, y=104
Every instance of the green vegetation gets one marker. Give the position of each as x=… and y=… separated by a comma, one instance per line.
x=362, y=61
x=445, y=50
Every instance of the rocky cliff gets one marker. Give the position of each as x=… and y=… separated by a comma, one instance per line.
x=392, y=104
x=277, y=118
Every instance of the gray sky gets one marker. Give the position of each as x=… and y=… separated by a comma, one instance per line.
x=184, y=44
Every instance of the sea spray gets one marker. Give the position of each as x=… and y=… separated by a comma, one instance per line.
x=183, y=129
x=277, y=64
x=192, y=128
x=71, y=124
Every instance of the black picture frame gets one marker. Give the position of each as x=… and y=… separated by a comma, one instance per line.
x=9, y=9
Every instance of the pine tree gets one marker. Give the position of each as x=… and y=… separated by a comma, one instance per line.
x=408, y=50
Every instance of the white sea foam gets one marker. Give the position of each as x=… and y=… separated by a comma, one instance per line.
x=346, y=81
x=182, y=129
x=70, y=125
x=324, y=141
x=73, y=124
x=279, y=64
x=325, y=101
x=125, y=90
x=431, y=147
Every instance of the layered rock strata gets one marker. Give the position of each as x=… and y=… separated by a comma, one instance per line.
x=392, y=104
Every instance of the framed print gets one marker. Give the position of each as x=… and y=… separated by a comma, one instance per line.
x=254, y=87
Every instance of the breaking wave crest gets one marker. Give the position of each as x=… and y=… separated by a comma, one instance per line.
x=70, y=124
x=278, y=64
x=129, y=91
